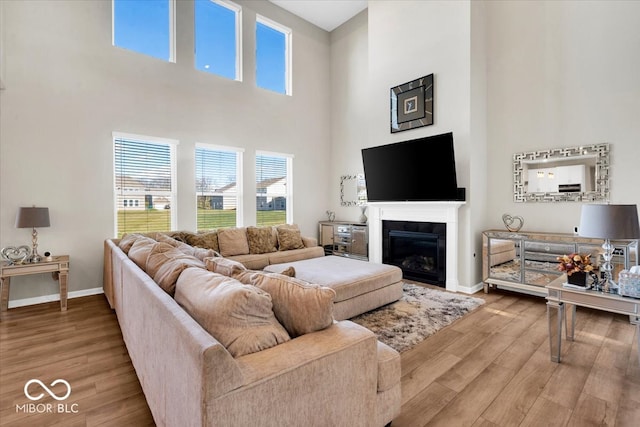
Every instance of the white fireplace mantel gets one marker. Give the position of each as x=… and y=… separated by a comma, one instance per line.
x=443, y=212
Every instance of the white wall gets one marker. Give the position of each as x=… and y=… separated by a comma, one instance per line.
x=561, y=74
x=68, y=89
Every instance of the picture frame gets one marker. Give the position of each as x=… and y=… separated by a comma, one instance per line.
x=412, y=104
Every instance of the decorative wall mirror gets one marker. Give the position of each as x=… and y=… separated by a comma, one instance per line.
x=576, y=174
x=353, y=190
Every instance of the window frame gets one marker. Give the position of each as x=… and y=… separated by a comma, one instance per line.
x=239, y=177
x=172, y=32
x=288, y=51
x=288, y=182
x=237, y=9
x=172, y=144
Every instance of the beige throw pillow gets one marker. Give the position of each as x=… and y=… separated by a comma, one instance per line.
x=233, y=241
x=289, y=238
x=261, y=240
x=301, y=307
x=239, y=316
x=127, y=241
x=165, y=263
x=140, y=251
x=200, y=253
x=225, y=266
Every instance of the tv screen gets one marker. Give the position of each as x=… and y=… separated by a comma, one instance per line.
x=421, y=169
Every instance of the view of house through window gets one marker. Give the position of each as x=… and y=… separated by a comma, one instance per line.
x=273, y=56
x=217, y=38
x=273, y=189
x=218, y=187
x=144, y=177
x=145, y=26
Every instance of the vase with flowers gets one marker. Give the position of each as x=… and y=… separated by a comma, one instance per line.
x=578, y=267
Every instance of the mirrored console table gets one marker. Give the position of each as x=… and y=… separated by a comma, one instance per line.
x=344, y=238
x=527, y=261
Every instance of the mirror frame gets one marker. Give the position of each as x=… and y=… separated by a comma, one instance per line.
x=360, y=196
x=601, y=193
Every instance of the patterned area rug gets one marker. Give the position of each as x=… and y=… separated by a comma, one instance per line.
x=421, y=312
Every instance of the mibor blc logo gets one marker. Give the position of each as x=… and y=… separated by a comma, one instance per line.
x=35, y=394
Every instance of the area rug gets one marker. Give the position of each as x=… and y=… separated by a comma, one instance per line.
x=420, y=312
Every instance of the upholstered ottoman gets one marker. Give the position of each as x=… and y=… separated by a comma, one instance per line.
x=360, y=286
x=501, y=251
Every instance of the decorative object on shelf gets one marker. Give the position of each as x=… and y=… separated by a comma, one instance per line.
x=412, y=104
x=577, y=267
x=31, y=218
x=331, y=216
x=363, y=217
x=578, y=174
x=609, y=222
x=16, y=255
x=513, y=223
x=629, y=282
x=48, y=257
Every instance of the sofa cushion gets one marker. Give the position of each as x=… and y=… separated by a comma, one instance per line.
x=206, y=240
x=140, y=251
x=225, y=266
x=239, y=316
x=127, y=241
x=301, y=307
x=261, y=240
x=233, y=241
x=165, y=263
x=289, y=237
x=200, y=253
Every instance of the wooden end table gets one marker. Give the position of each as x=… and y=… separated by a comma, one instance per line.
x=58, y=267
x=559, y=297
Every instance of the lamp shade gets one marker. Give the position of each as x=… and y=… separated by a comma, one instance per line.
x=609, y=222
x=32, y=217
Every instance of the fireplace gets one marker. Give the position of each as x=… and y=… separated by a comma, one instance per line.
x=418, y=248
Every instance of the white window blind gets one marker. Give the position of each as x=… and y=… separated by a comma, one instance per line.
x=273, y=188
x=144, y=178
x=218, y=187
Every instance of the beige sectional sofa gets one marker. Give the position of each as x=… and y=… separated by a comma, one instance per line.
x=328, y=373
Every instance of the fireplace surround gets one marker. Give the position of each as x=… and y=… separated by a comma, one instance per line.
x=437, y=212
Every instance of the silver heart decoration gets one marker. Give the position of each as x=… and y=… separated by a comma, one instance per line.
x=513, y=223
x=16, y=255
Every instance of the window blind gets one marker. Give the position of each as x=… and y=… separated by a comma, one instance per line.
x=272, y=189
x=217, y=187
x=144, y=185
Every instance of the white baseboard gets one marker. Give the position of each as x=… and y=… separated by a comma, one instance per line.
x=53, y=297
x=470, y=289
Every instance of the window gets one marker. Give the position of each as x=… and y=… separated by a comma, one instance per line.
x=144, y=177
x=273, y=188
x=218, y=186
x=217, y=38
x=273, y=56
x=145, y=26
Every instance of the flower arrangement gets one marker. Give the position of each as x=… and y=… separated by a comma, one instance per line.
x=575, y=263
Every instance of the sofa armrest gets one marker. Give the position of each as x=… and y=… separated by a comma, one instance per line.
x=309, y=242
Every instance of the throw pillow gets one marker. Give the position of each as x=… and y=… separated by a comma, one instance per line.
x=233, y=241
x=127, y=241
x=260, y=240
x=225, y=266
x=140, y=250
x=206, y=240
x=200, y=253
x=289, y=238
x=301, y=307
x=165, y=263
x=239, y=316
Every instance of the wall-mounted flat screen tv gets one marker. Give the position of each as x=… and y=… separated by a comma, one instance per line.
x=422, y=169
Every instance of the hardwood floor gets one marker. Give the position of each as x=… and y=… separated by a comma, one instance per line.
x=490, y=368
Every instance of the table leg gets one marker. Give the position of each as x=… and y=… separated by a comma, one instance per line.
x=555, y=316
x=62, y=278
x=4, y=293
x=570, y=320
x=638, y=336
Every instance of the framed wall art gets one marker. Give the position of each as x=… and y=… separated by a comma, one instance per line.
x=412, y=104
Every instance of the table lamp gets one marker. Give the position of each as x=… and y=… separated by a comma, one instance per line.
x=32, y=218
x=609, y=222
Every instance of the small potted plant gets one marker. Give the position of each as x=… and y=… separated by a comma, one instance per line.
x=577, y=267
